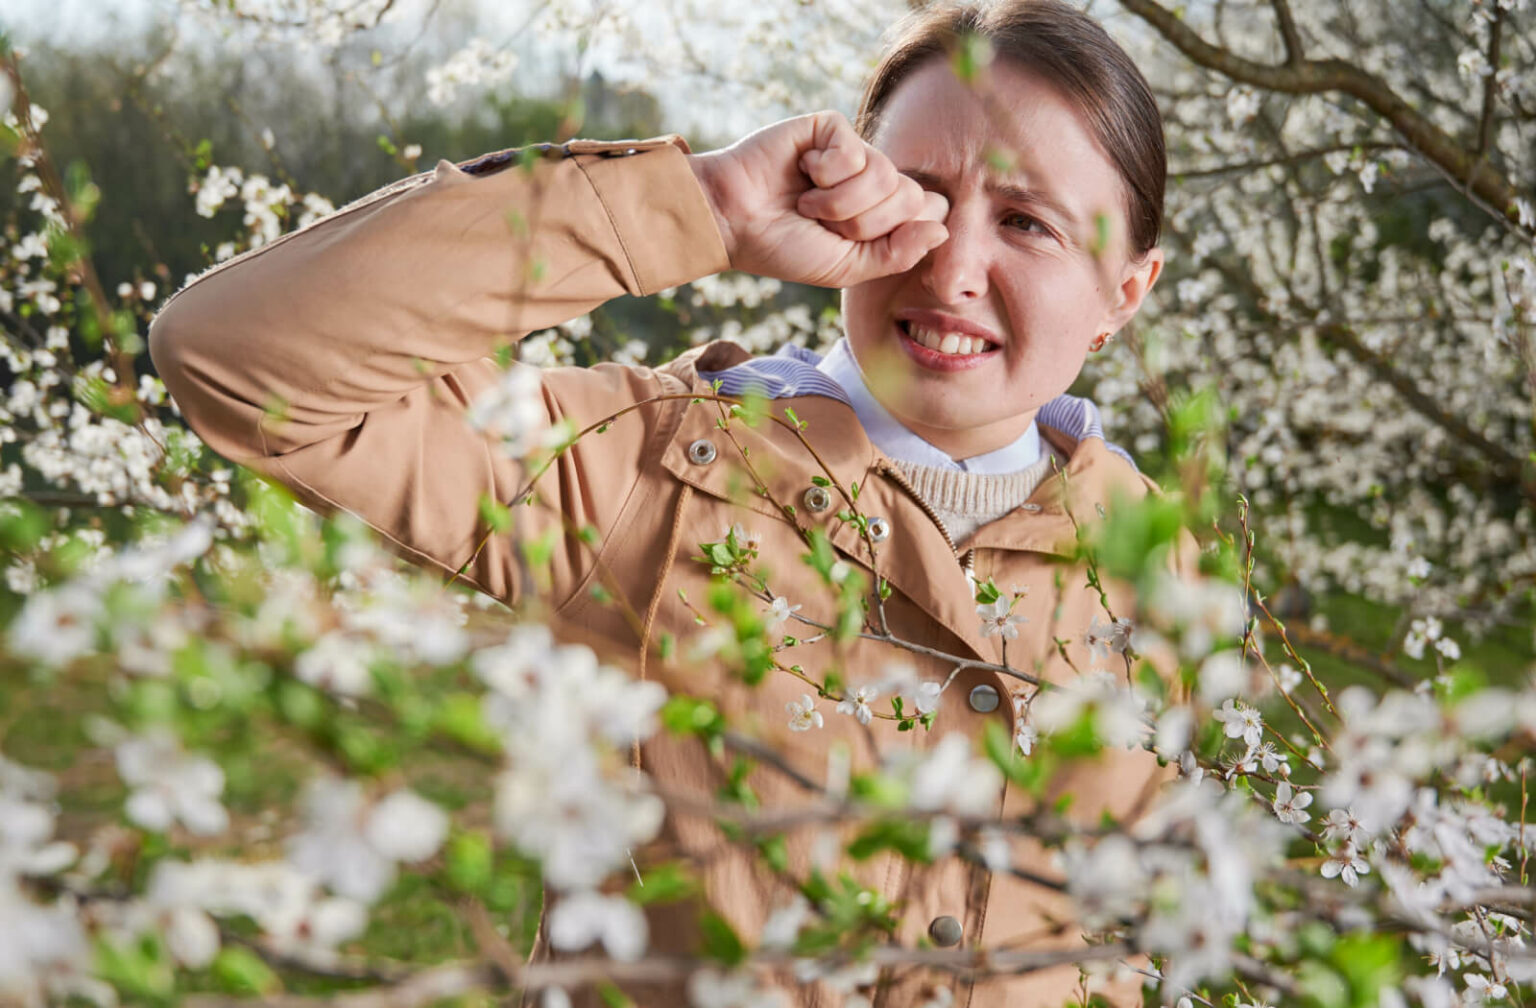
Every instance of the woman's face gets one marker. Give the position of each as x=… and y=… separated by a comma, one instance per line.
x=967, y=345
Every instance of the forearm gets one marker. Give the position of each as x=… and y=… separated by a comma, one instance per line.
x=297, y=341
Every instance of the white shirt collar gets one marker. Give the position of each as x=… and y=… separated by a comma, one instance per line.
x=897, y=442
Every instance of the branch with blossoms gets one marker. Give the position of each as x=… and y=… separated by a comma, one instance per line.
x=1200, y=845
x=1299, y=75
x=277, y=743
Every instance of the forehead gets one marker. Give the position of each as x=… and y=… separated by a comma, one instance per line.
x=1009, y=125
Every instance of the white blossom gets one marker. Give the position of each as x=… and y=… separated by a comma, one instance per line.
x=1290, y=806
x=583, y=918
x=856, y=703
x=1241, y=721
x=998, y=619
x=803, y=714
x=169, y=785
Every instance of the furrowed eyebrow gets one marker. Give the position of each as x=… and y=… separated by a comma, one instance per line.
x=1007, y=190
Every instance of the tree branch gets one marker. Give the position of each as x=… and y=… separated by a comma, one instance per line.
x=1288, y=159
x=1317, y=76
x=1490, y=84
x=457, y=979
x=1294, y=56
x=1505, y=464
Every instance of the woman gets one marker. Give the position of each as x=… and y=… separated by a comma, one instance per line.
x=987, y=234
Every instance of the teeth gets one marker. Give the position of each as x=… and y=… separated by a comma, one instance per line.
x=946, y=343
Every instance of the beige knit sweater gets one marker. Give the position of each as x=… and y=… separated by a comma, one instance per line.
x=967, y=501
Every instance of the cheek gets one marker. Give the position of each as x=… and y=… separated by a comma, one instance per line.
x=864, y=308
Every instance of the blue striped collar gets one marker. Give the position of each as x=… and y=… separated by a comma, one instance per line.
x=795, y=371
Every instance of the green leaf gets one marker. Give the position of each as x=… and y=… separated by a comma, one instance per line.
x=1321, y=987
x=821, y=481
x=775, y=852
x=1369, y=963
x=469, y=862
x=138, y=968
x=671, y=882
x=685, y=715
x=987, y=592
x=1031, y=774
x=496, y=516
x=878, y=789
x=460, y=716
x=238, y=970
x=971, y=57
x=821, y=557
x=612, y=996
x=719, y=940
x=22, y=526
x=908, y=837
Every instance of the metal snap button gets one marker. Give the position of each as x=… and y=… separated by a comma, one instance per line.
x=983, y=699
x=879, y=529
x=701, y=452
x=945, y=931
x=817, y=499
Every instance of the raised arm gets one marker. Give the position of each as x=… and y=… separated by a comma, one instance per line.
x=340, y=359
x=296, y=341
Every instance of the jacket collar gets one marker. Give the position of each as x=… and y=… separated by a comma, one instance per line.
x=915, y=558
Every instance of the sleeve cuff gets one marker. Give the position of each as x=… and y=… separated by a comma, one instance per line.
x=659, y=212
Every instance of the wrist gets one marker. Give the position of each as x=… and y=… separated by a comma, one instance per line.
x=706, y=170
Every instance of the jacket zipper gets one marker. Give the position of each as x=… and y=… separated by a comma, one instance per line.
x=968, y=560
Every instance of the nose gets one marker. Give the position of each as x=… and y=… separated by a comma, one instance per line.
x=956, y=271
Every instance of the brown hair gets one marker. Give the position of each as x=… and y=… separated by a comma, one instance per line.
x=1070, y=50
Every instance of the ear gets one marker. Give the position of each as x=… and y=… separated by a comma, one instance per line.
x=1135, y=281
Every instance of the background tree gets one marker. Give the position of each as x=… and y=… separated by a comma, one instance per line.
x=254, y=756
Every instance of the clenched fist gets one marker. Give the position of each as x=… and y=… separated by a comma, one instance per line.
x=808, y=200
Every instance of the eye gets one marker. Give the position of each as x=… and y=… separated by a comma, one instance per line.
x=1024, y=223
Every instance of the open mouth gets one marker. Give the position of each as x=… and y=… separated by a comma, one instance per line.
x=945, y=343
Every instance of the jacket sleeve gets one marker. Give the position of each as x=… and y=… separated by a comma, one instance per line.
x=339, y=359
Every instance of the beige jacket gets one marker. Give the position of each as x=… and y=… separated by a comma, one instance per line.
x=339, y=360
